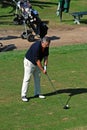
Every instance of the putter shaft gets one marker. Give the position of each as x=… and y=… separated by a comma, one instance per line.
x=54, y=89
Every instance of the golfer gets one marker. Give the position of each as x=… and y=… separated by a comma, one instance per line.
x=32, y=65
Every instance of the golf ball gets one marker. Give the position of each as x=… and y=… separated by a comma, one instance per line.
x=67, y=105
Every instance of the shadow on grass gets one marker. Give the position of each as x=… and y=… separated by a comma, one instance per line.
x=9, y=37
x=40, y=4
x=54, y=38
x=71, y=92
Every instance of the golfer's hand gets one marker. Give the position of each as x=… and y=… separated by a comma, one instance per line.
x=44, y=71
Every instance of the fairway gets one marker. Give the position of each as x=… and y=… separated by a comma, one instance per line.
x=67, y=69
x=66, y=83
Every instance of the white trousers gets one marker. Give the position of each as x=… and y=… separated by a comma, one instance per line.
x=30, y=69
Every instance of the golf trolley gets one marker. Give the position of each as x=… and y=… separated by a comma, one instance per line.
x=30, y=18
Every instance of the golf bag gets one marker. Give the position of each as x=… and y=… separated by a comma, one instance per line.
x=5, y=48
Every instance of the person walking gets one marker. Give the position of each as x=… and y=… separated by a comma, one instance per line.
x=33, y=65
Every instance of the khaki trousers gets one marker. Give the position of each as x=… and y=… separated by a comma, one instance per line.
x=30, y=69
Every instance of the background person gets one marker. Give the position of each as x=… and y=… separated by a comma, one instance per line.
x=32, y=65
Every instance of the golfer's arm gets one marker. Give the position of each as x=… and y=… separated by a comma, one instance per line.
x=39, y=65
x=46, y=60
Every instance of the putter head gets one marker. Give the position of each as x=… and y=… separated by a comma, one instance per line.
x=66, y=106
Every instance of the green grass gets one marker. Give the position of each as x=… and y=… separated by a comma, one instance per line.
x=47, y=12
x=67, y=69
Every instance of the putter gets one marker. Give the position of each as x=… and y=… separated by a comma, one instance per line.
x=54, y=89
x=66, y=106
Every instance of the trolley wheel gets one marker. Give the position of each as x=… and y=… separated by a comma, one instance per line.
x=30, y=37
x=24, y=35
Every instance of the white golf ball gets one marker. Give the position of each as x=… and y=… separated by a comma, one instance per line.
x=67, y=105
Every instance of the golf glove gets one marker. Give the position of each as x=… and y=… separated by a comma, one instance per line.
x=45, y=67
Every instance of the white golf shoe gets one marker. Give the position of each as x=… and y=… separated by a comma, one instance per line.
x=25, y=99
x=40, y=96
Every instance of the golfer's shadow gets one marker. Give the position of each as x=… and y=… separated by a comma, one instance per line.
x=71, y=92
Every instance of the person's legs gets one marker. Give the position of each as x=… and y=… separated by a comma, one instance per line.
x=28, y=69
x=37, y=89
x=36, y=75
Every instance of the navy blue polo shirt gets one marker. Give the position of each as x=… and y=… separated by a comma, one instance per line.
x=35, y=53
